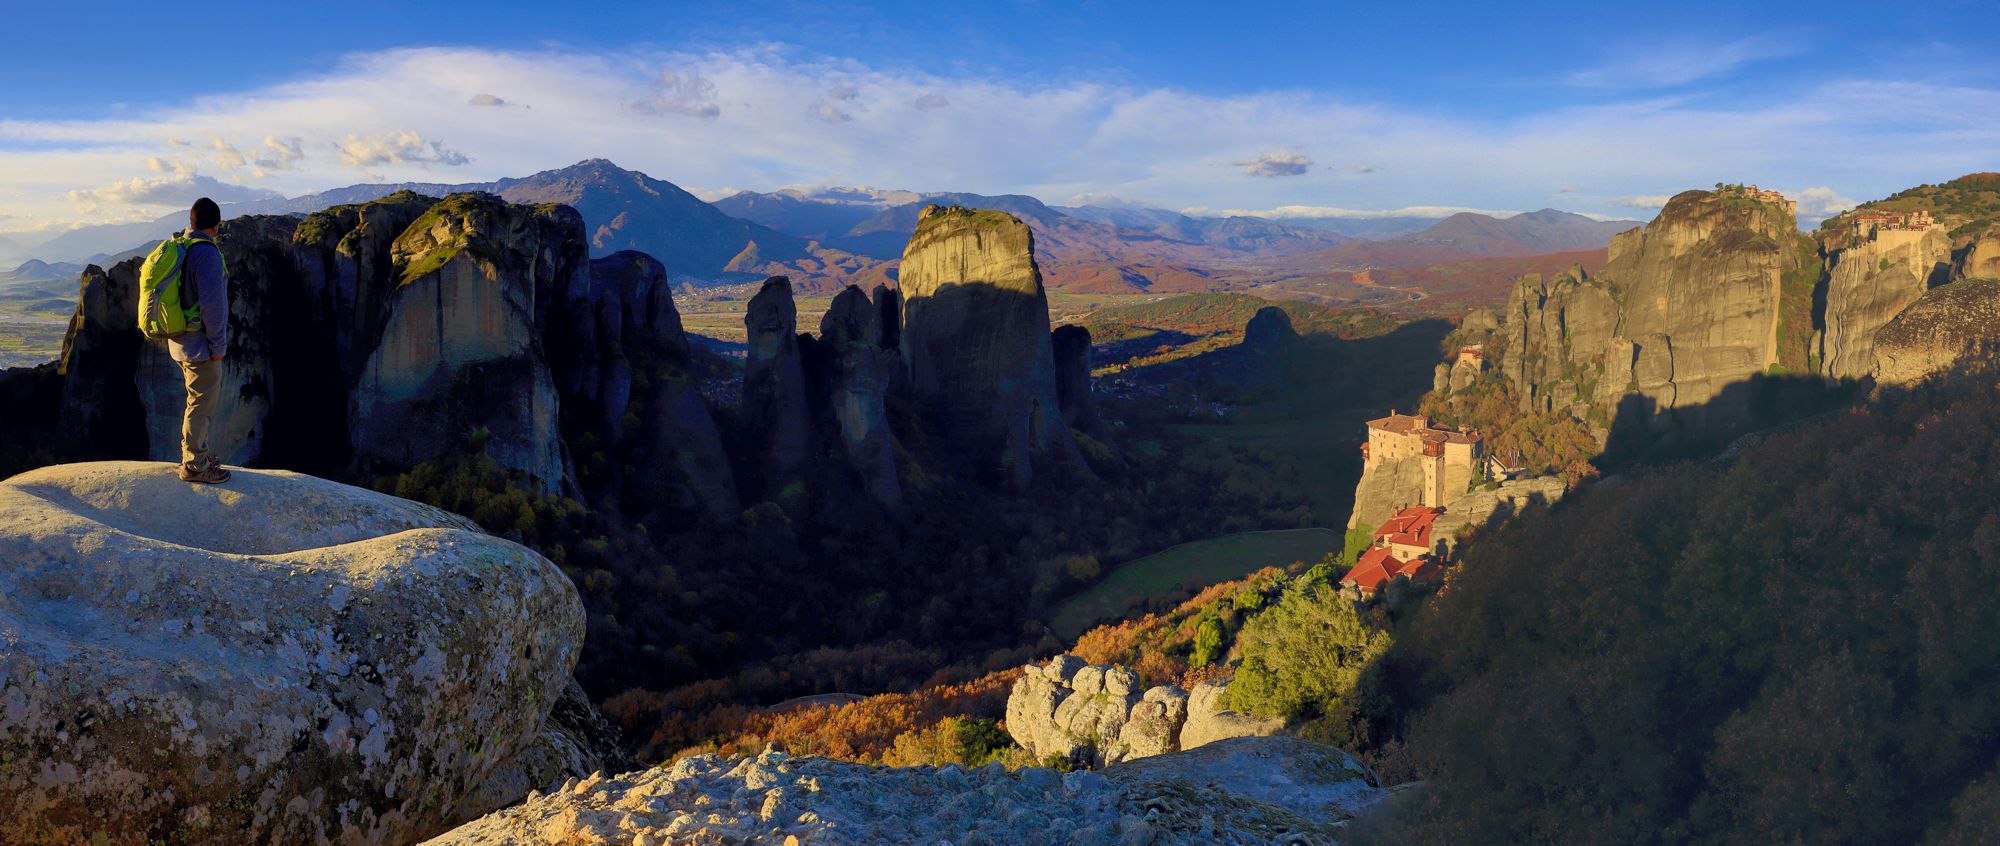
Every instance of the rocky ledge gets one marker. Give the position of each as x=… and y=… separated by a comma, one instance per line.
x=1262, y=790
x=281, y=659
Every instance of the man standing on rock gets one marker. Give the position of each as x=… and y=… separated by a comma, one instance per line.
x=201, y=349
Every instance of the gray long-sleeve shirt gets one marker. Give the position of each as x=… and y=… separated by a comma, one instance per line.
x=204, y=279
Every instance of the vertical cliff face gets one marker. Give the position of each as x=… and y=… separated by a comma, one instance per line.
x=857, y=375
x=1071, y=346
x=1712, y=292
x=460, y=357
x=626, y=351
x=1872, y=282
x=774, y=387
x=99, y=407
x=976, y=339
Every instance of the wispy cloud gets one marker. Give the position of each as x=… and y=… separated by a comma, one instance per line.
x=1671, y=63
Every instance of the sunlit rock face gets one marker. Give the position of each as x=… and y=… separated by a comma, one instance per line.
x=1870, y=284
x=975, y=337
x=281, y=659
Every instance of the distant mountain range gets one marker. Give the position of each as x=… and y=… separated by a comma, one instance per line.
x=827, y=237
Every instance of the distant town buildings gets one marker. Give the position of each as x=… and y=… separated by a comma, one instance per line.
x=1403, y=548
x=1453, y=459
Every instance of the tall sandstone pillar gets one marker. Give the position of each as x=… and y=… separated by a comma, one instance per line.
x=976, y=339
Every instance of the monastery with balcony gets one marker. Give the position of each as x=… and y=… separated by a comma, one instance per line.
x=1453, y=459
x=1891, y=228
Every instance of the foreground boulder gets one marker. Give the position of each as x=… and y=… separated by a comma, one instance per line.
x=1260, y=790
x=1097, y=715
x=278, y=660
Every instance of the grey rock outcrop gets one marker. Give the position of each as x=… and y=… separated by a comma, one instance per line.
x=1096, y=715
x=629, y=325
x=1209, y=721
x=1871, y=282
x=1071, y=347
x=1234, y=793
x=1488, y=506
x=1685, y=307
x=284, y=659
x=99, y=406
x=461, y=350
x=858, y=380
x=1948, y=323
x=1385, y=487
x=976, y=340
x=774, y=386
x=383, y=334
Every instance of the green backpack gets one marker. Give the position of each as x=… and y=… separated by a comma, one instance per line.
x=163, y=311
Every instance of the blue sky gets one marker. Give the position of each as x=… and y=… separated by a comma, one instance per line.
x=1285, y=109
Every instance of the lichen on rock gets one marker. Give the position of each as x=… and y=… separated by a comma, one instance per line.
x=278, y=660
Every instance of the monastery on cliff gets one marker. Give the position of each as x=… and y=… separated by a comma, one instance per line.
x=1453, y=459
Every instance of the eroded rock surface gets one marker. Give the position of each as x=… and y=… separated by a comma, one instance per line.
x=1686, y=306
x=1945, y=325
x=279, y=660
x=1244, y=791
x=857, y=384
x=1096, y=715
x=1871, y=283
x=461, y=350
x=774, y=386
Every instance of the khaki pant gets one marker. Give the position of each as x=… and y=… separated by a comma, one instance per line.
x=203, y=381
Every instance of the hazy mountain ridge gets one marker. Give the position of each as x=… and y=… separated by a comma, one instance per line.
x=832, y=236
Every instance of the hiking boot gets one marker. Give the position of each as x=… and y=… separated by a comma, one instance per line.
x=207, y=474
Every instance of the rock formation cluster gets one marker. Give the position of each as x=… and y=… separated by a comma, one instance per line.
x=1243, y=791
x=1720, y=289
x=1096, y=715
x=284, y=660
x=373, y=337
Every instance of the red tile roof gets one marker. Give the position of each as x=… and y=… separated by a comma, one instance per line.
x=1372, y=570
x=1410, y=526
x=1378, y=566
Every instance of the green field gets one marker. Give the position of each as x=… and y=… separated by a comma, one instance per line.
x=1197, y=563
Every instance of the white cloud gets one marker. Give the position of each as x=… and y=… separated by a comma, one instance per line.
x=681, y=92
x=396, y=147
x=225, y=155
x=1816, y=204
x=486, y=100
x=826, y=112
x=842, y=91
x=754, y=129
x=1276, y=164
x=177, y=190
x=281, y=153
